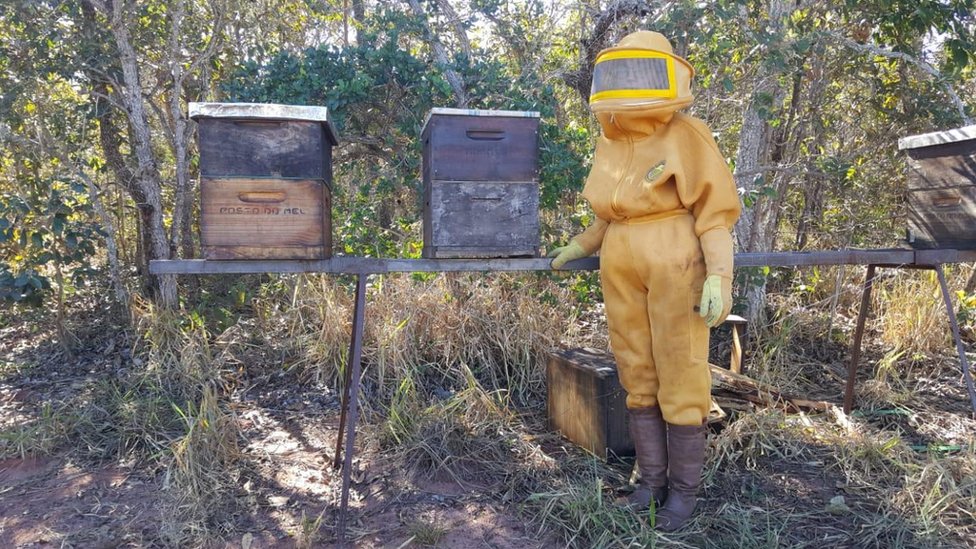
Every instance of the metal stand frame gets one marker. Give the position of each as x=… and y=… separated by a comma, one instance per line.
x=350, y=402
x=859, y=332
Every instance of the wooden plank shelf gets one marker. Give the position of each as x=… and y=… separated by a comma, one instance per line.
x=368, y=265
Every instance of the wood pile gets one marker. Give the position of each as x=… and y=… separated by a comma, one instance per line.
x=732, y=391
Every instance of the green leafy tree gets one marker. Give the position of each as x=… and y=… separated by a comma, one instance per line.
x=378, y=93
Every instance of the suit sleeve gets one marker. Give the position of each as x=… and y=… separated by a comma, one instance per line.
x=592, y=238
x=706, y=188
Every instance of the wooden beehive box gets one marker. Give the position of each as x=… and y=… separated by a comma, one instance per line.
x=586, y=403
x=942, y=189
x=481, y=184
x=265, y=180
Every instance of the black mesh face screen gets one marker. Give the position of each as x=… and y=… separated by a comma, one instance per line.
x=642, y=73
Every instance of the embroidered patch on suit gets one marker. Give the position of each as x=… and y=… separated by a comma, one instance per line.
x=655, y=172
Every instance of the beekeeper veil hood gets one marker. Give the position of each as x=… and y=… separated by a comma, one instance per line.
x=641, y=73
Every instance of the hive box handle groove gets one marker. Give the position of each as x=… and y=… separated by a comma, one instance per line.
x=262, y=197
x=946, y=202
x=486, y=135
x=270, y=123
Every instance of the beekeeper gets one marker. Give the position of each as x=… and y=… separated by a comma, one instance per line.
x=665, y=203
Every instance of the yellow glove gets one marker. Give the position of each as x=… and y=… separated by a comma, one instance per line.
x=716, y=300
x=564, y=254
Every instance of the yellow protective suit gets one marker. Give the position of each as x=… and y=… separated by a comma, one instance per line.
x=665, y=204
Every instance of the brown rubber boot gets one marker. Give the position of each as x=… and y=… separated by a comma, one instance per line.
x=686, y=457
x=650, y=436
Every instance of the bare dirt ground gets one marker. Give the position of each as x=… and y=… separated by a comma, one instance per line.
x=291, y=489
x=290, y=492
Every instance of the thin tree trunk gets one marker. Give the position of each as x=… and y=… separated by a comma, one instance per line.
x=181, y=135
x=64, y=335
x=603, y=26
x=150, y=284
x=111, y=240
x=358, y=16
x=111, y=236
x=455, y=22
x=182, y=128
x=440, y=56
x=753, y=231
x=147, y=177
x=748, y=159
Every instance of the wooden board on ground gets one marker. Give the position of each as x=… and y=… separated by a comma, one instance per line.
x=737, y=391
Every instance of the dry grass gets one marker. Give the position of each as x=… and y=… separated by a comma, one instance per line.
x=775, y=480
x=310, y=532
x=454, y=373
x=912, y=313
x=203, y=473
x=471, y=437
x=190, y=371
x=425, y=532
x=502, y=326
x=444, y=418
x=46, y=433
x=166, y=411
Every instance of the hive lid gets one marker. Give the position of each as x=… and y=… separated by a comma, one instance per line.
x=598, y=363
x=937, y=138
x=265, y=111
x=477, y=112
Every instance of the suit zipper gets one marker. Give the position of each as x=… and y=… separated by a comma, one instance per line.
x=630, y=158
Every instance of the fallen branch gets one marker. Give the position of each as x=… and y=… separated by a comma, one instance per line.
x=738, y=392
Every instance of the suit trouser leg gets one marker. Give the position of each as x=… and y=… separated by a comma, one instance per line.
x=652, y=275
x=625, y=298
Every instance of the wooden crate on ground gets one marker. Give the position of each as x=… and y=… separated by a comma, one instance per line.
x=586, y=403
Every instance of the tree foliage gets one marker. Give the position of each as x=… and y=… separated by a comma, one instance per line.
x=98, y=158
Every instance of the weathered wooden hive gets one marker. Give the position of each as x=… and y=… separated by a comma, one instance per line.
x=481, y=184
x=265, y=180
x=942, y=189
x=586, y=403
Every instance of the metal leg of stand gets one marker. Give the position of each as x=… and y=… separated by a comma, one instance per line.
x=856, y=344
x=351, y=400
x=344, y=403
x=955, y=335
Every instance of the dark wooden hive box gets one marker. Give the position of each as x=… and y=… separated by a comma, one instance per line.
x=586, y=403
x=481, y=184
x=265, y=180
x=941, y=196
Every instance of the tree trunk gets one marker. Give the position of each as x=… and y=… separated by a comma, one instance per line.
x=752, y=138
x=181, y=128
x=147, y=178
x=111, y=240
x=440, y=56
x=455, y=22
x=111, y=236
x=602, y=33
x=755, y=230
x=358, y=15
